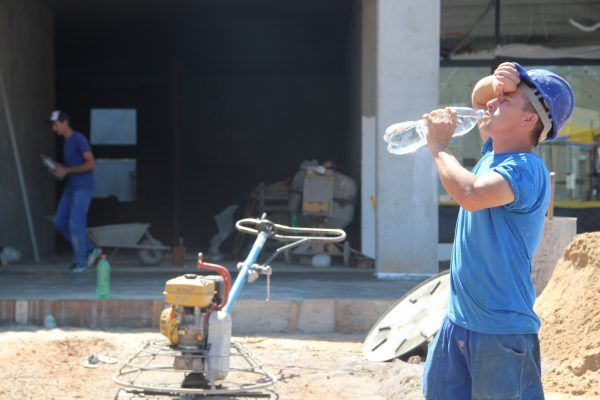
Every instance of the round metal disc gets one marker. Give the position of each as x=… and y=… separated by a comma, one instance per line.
x=411, y=322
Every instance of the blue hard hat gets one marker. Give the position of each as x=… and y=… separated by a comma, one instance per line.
x=556, y=92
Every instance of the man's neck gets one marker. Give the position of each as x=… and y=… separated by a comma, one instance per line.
x=510, y=146
x=68, y=133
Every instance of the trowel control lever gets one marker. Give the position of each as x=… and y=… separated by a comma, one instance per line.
x=255, y=271
x=284, y=233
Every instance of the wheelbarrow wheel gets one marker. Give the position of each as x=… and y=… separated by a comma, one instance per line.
x=150, y=256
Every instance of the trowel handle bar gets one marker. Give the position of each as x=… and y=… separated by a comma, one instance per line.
x=253, y=226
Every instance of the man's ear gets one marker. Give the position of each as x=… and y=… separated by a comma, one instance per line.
x=530, y=119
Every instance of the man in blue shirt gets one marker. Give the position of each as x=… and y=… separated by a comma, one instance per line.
x=78, y=169
x=487, y=347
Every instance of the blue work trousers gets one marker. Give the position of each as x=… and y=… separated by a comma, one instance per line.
x=71, y=221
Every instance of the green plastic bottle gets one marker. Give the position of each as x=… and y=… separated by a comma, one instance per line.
x=294, y=221
x=103, y=278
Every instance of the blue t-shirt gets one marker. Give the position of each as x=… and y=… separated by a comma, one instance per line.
x=73, y=149
x=491, y=290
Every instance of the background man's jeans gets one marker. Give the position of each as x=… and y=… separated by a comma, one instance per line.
x=71, y=221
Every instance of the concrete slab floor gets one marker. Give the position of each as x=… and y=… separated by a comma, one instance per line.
x=48, y=281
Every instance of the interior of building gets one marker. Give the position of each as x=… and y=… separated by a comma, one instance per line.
x=223, y=95
x=211, y=97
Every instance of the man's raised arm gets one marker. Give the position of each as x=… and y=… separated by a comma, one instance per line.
x=504, y=80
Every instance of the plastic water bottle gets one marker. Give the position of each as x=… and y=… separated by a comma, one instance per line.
x=407, y=137
x=49, y=321
x=103, y=278
x=9, y=255
x=48, y=162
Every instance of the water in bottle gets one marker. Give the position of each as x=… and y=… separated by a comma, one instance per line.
x=103, y=278
x=407, y=137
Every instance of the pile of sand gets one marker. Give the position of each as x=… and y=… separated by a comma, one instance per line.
x=570, y=311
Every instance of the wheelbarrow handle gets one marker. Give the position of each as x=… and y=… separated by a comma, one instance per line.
x=291, y=234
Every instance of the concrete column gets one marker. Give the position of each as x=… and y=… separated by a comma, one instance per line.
x=368, y=126
x=27, y=65
x=406, y=86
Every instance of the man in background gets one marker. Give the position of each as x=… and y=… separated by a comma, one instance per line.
x=78, y=170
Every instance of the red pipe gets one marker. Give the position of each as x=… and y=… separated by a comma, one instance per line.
x=223, y=272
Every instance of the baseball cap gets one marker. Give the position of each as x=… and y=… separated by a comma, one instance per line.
x=58, y=115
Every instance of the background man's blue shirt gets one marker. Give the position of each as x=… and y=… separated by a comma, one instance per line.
x=491, y=286
x=73, y=149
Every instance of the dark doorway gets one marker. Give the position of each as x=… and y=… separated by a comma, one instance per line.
x=226, y=94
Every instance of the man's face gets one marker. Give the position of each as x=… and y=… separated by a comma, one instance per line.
x=505, y=114
x=59, y=127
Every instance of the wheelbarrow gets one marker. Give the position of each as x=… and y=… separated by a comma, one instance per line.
x=150, y=251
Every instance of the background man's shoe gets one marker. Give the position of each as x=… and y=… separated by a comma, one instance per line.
x=80, y=268
x=71, y=268
x=93, y=256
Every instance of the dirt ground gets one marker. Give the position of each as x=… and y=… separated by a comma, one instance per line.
x=47, y=365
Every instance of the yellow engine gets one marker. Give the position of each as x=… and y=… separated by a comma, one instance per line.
x=189, y=290
x=194, y=303
x=189, y=297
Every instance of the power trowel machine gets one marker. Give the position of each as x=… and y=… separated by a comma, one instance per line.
x=198, y=358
